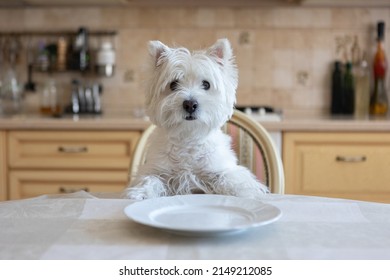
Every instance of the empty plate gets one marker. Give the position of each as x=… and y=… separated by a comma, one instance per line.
x=202, y=214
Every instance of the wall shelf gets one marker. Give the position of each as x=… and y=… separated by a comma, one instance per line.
x=40, y=49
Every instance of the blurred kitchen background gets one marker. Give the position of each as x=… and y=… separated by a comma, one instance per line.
x=285, y=50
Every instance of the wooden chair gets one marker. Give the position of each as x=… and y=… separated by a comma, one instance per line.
x=253, y=145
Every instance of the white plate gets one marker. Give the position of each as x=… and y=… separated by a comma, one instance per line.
x=202, y=214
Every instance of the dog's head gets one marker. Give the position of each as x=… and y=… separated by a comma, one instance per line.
x=191, y=92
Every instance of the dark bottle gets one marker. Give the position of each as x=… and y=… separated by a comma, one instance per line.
x=379, y=101
x=80, y=57
x=337, y=89
x=349, y=90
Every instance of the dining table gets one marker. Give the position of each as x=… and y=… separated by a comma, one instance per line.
x=94, y=226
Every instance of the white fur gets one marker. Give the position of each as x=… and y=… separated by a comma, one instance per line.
x=191, y=156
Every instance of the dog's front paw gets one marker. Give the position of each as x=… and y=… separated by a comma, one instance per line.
x=145, y=187
x=136, y=193
x=242, y=183
x=254, y=190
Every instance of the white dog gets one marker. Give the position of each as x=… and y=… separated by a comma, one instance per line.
x=189, y=98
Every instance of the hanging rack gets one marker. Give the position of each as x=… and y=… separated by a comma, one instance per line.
x=56, y=33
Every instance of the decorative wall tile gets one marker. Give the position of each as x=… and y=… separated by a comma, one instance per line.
x=117, y=18
x=206, y=17
x=224, y=17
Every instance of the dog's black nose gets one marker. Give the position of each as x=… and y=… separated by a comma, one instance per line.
x=190, y=105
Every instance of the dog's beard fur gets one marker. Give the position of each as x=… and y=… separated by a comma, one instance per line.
x=188, y=153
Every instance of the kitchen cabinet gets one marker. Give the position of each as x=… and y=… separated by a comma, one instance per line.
x=3, y=166
x=47, y=162
x=346, y=165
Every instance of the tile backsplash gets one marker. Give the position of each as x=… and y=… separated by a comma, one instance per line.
x=284, y=54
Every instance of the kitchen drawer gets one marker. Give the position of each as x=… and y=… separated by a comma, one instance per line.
x=31, y=183
x=345, y=165
x=71, y=149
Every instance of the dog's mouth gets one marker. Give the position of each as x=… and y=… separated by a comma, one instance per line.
x=190, y=117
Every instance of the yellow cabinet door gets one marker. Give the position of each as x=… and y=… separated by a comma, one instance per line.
x=344, y=165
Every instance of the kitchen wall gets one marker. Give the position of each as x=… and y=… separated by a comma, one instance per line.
x=284, y=54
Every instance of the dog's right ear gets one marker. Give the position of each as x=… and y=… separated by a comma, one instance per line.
x=222, y=51
x=158, y=51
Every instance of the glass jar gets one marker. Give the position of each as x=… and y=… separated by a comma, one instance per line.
x=50, y=99
x=11, y=93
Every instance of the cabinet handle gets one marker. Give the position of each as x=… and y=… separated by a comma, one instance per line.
x=73, y=150
x=351, y=158
x=71, y=190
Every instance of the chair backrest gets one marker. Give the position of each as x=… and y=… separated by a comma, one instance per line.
x=256, y=150
x=139, y=153
x=253, y=145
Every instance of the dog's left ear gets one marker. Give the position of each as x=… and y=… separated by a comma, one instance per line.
x=221, y=50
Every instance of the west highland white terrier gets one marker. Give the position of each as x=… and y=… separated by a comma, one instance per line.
x=190, y=96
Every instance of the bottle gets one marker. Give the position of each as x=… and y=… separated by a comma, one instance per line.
x=83, y=51
x=355, y=52
x=379, y=101
x=349, y=90
x=362, y=89
x=80, y=57
x=337, y=89
x=61, y=54
x=43, y=57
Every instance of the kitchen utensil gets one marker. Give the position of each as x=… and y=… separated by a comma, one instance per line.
x=88, y=99
x=30, y=85
x=97, y=106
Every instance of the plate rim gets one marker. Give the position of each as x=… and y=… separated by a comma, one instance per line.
x=202, y=231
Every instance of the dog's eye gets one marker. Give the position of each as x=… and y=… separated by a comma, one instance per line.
x=205, y=85
x=174, y=85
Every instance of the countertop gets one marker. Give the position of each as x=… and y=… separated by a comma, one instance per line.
x=122, y=121
x=325, y=122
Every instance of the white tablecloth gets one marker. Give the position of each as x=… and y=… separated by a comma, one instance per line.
x=83, y=226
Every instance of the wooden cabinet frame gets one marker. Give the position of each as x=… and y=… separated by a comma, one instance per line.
x=3, y=166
